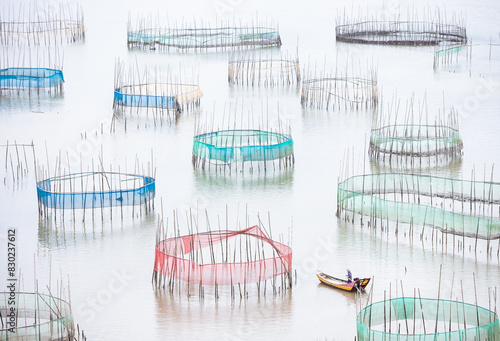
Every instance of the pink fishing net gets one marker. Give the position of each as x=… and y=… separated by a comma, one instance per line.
x=169, y=264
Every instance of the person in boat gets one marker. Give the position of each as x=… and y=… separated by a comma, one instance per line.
x=349, y=276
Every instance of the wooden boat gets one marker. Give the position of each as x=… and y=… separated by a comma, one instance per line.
x=356, y=284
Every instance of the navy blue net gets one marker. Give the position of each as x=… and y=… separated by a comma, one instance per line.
x=95, y=189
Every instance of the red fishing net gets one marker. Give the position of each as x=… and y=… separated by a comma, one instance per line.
x=177, y=258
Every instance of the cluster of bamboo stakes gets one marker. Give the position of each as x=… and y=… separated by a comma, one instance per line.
x=48, y=317
x=395, y=326
x=41, y=25
x=337, y=90
x=260, y=70
x=231, y=127
x=151, y=33
x=157, y=83
x=415, y=141
x=417, y=30
x=477, y=204
x=243, y=251
x=32, y=57
x=20, y=167
x=96, y=181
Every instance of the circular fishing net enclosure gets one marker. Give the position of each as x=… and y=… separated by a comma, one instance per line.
x=43, y=32
x=183, y=258
x=400, y=33
x=30, y=78
x=38, y=23
x=461, y=207
x=267, y=72
x=227, y=146
x=168, y=96
x=223, y=37
x=89, y=190
x=37, y=317
x=412, y=140
x=349, y=92
x=425, y=319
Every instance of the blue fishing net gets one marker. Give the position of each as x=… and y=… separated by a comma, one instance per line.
x=138, y=100
x=95, y=189
x=15, y=78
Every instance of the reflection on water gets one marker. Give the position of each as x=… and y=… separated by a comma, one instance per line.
x=230, y=319
x=90, y=251
x=41, y=101
x=230, y=180
x=146, y=118
x=446, y=167
x=351, y=299
x=78, y=227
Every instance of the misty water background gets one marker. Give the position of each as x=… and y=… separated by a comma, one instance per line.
x=109, y=265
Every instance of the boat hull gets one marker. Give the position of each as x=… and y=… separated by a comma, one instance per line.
x=343, y=284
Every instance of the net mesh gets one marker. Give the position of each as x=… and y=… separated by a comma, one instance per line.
x=38, y=317
x=15, y=78
x=337, y=91
x=378, y=194
x=157, y=95
x=417, y=321
x=415, y=140
x=400, y=33
x=95, y=189
x=242, y=145
x=40, y=23
x=264, y=71
x=205, y=37
x=170, y=261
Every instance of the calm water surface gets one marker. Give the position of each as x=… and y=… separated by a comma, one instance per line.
x=109, y=264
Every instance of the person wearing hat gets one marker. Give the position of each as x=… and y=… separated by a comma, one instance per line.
x=349, y=276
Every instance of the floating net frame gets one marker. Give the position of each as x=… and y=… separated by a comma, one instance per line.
x=31, y=78
x=353, y=93
x=93, y=190
x=475, y=204
x=168, y=96
x=156, y=91
x=243, y=142
x=41, y=26
x=402, y=33
x=415, y=141
x=180, y=261
x=31, y=70
x=418, y=141
x=150, y=35
x=335, y=90
x=224, y=147
x=38, y=317
x=266, y=71
x=412, y=310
